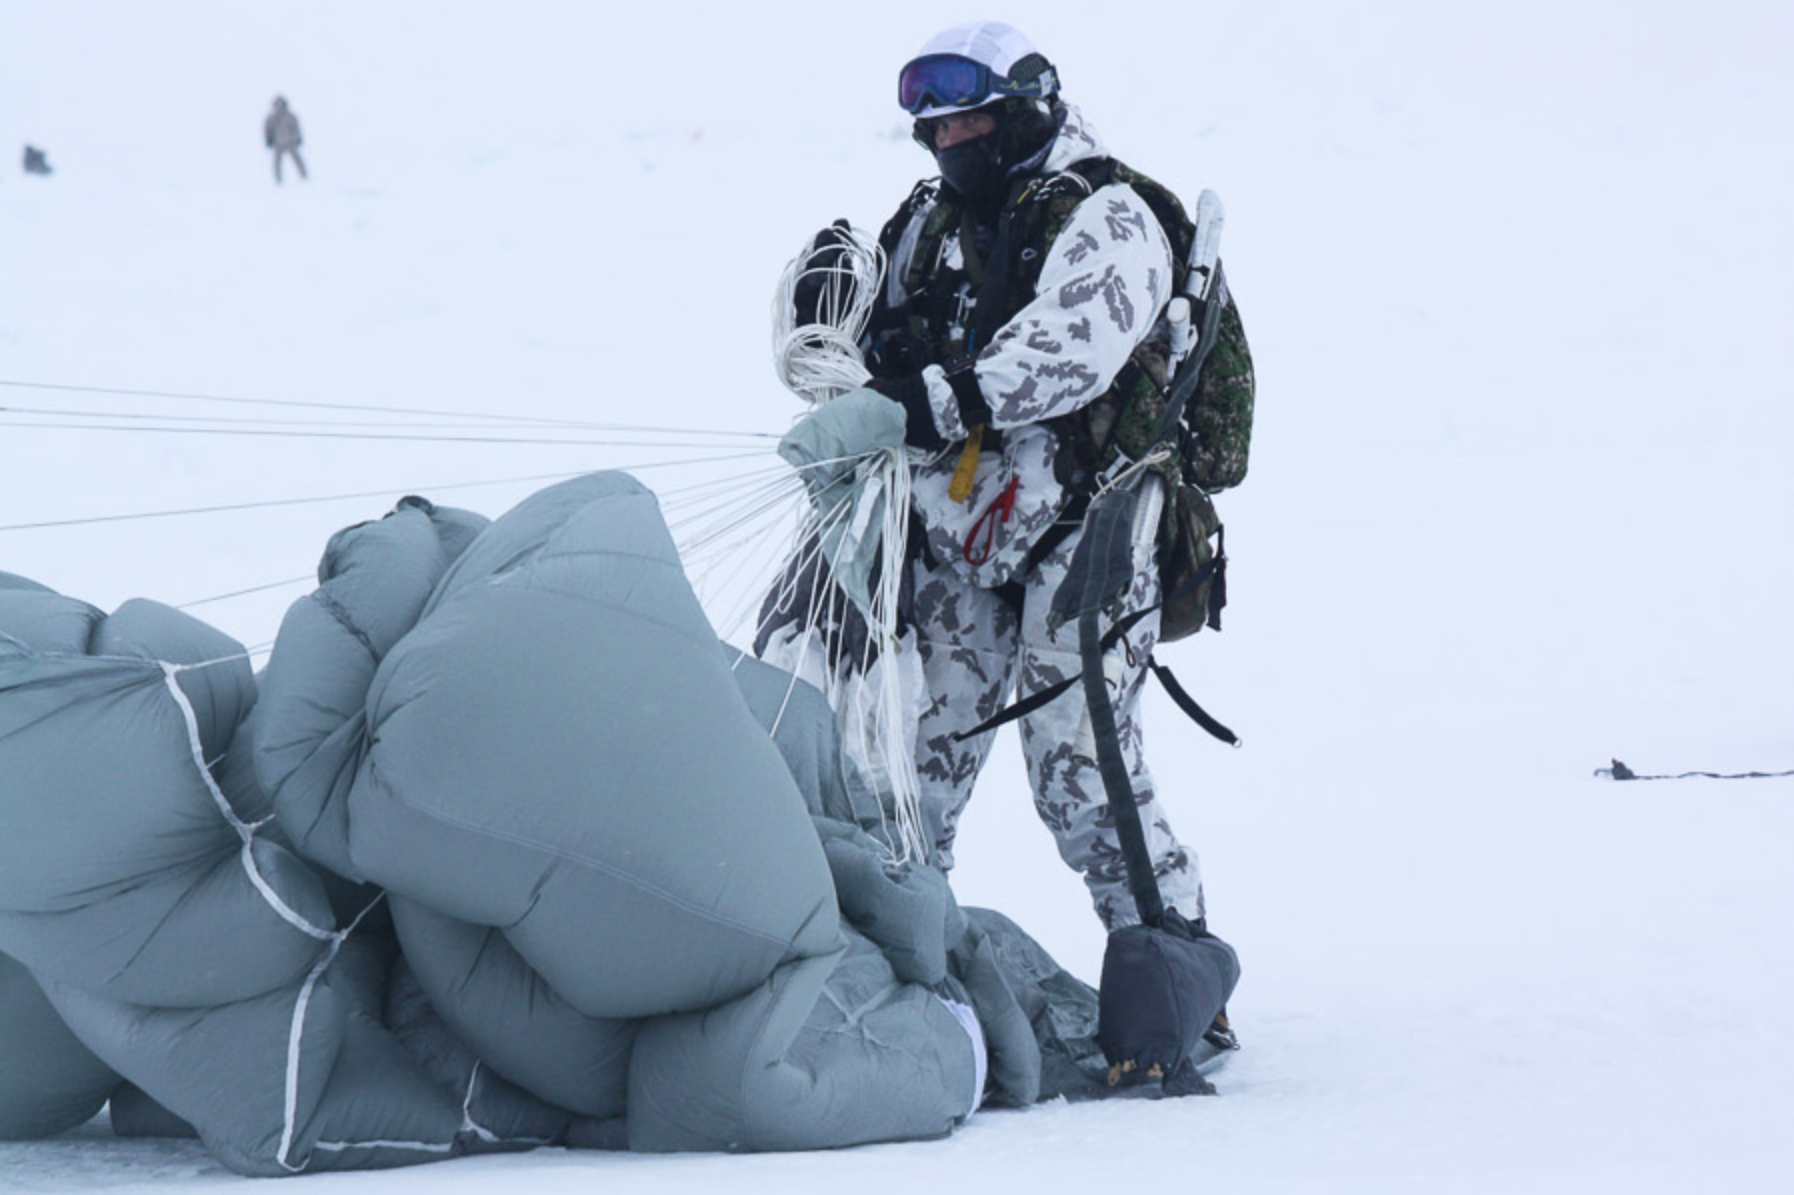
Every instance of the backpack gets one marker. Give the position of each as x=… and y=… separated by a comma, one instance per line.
x=1214, y=431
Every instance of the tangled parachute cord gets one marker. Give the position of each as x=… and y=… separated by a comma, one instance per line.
x=819, y=362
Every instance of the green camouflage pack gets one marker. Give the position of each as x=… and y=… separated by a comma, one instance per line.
x=1218, y=417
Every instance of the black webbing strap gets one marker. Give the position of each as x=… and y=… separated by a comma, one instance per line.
x=1110, y=526
x=989, y=315
x=1036, y=700
x=1188, y=705
x=1060, y=530
x=1020, y=709
x=1173, y=687
x=1185, y=702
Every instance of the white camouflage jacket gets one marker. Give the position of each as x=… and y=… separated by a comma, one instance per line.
x=1105, y=280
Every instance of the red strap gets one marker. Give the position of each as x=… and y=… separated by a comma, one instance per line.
x=1001, y=507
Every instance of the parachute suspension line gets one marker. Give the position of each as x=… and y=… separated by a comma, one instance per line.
x=753, y=552
x=685, y=495
x=820, y=361
x=740, y=555
x=866, y=693
x=308, y=577
x=708, y=532
x=717, y=562
x=836, y=515
x=385, y=493
x=412, y=412
x=802, y=552
x=386, y=437
x=885, y=734
x=805, y=548
x=177, y=669
x=782, y=489
x=463, y=423
x=731, y=545
x=702, y=523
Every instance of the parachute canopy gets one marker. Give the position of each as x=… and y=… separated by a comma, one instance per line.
x=501, y=849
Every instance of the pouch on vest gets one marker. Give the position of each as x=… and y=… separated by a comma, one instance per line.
x=1192, y=565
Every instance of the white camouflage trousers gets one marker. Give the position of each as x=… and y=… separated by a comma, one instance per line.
x=975, y=648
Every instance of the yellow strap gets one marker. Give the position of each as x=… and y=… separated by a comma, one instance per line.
x=961, y=488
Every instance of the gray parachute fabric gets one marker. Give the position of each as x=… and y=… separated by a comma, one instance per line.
x=182, y=942
x=583, y=827
x=503, y=849
x=49, y=1081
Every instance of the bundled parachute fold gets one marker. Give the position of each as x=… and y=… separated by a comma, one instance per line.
x=504, y=849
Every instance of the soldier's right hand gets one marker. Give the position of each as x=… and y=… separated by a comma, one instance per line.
x=825, y=286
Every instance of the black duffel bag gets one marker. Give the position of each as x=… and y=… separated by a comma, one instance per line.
x=1162, y=1005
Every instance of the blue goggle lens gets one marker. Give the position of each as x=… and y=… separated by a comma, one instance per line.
x=943, y=81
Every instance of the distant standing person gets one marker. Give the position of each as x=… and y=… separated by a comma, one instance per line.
x=35, y=161
x=281, y=133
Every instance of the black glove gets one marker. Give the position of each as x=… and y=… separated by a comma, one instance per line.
x=828, y=253
x=911, y=392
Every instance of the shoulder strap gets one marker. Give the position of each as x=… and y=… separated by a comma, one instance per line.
x=919, y=197
x=1098, y=172
x=1168, y=210
x=1040, y=213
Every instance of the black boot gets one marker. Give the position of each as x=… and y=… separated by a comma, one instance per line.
x=1220, y=1033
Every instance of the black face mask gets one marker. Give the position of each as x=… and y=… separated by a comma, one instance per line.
x=975, y=169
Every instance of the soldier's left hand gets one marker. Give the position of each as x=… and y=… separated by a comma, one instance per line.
x=910, y=391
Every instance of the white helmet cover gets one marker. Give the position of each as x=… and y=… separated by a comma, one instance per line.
x=992, y=43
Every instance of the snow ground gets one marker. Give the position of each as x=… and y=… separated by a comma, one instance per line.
x=1516, y=286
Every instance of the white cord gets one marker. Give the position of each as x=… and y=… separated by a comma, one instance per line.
x=818, y=362
x=821, y=360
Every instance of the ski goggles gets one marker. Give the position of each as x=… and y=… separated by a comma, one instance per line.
x=950, y=81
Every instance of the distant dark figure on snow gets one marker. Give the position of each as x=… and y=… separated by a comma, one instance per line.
x=35, y=161
x=281, y=134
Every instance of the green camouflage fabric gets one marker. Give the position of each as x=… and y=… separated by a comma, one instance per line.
x=1127, y=417
x=1221, y=412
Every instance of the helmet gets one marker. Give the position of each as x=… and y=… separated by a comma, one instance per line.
x=991, y=66
x=971, y=65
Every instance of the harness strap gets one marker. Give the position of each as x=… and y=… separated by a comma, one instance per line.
x=1069, y=520
x=1188, y=705
x=1217, y=568
x=1110, y=530
x=1044, y=697
x=988, y=315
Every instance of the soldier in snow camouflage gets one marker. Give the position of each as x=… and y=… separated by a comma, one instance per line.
x=1023, y=309
x=280, y=133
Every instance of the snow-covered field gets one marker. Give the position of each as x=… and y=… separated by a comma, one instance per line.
x=1516, y=280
